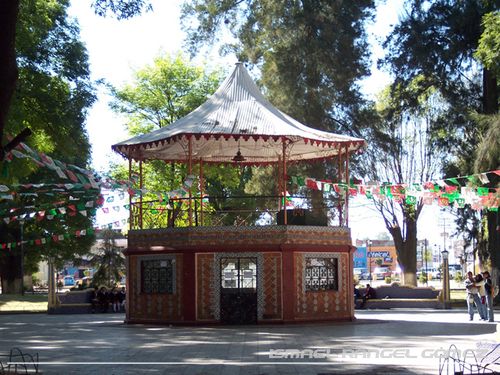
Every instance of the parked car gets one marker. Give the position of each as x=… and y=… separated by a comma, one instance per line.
x=83, y=283
x=68, y=281
x=362, y=273
x=380, y=273
x=434, y=273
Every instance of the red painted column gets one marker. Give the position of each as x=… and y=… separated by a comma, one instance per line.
x=288, y=285
x=189, y=286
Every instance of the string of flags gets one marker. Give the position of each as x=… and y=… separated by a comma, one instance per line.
x=457, y=191
x=48, y=239
x=84, y=208
x=80, y=179
x=445, y=192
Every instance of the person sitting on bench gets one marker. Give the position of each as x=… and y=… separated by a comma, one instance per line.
x=369, y=293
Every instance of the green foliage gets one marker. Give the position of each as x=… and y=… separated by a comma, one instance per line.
x=488, y=149
x=488, y=50
x=162, y=93
x=52, y=97
x=423, y=278
x=54, y=89
x=121, y=9
x=435, y=43
x=438, y=39
x=310, y=54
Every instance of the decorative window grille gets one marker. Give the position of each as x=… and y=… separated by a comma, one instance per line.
x=157, y=276
x=321, y=274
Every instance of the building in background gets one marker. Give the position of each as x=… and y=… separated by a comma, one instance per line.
x=373, y=254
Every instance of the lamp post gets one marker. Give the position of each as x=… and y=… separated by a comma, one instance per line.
x=22, y=256
x=52, y=284
x=446, y=279
x=369, y=258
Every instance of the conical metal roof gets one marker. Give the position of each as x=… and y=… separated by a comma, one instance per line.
x=235, y=118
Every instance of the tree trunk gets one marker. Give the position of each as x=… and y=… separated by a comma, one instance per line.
x=10, y=272
x=9, y=10
x=490, y=106
x=406, y=249
x=494, y=247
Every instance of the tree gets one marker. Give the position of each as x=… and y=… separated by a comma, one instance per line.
x=163, y=92
x=487, y=156
x=310, y=55
x=51, y=99
x=437, y=39
x=488, y=50
x=9, y=11
x=403, y=150
x=108, y=260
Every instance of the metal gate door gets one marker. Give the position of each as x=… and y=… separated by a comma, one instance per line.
x=238, y=302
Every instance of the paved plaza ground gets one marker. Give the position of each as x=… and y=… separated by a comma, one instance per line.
x=378, y=342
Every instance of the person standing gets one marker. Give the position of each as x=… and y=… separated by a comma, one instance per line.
x=115, y=300
x=94, y=299
x=481, y=308
x=472, y=295
x=488, y=286
x=122, y=298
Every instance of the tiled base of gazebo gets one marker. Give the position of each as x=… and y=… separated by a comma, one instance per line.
x=243, y=275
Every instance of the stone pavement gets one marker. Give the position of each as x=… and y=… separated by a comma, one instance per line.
x=378, y=342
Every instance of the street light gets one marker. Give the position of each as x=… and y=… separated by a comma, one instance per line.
x=446, y=279
x=22, y=256
x=369, y=258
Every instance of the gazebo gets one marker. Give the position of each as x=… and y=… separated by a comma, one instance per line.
x=281, y=270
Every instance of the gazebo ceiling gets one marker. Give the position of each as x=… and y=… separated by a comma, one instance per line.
x=235, y=118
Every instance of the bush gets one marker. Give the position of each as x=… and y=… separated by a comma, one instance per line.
x=35, y=280
x=458, y=277
x=388, y=280
x=422, y=278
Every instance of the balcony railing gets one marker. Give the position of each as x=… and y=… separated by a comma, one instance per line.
x=235, y=211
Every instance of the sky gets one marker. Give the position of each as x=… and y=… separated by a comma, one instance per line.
x=118, y=48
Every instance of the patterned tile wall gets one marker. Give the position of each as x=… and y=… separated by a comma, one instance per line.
x=155, y=306
x=220, y=236
x=272, y=286
x=205, y=274
x=321, y=304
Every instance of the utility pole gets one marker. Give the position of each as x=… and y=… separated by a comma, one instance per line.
x=426, y=275
x=444, y=233
x=22, y=256
x=368, y=258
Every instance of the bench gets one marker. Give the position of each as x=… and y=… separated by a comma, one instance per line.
x=74, y=302
x=395, y=296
